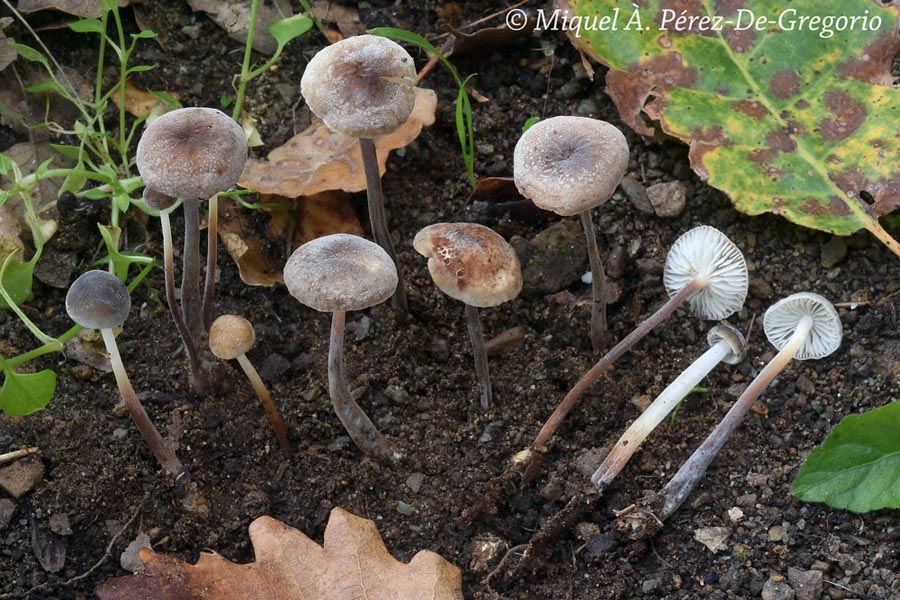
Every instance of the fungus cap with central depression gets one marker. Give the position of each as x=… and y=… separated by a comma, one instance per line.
x=782, y=318
x=98, y=300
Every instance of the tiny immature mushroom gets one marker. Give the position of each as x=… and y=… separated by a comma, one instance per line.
x=337, y=273
x=362, y=87
x=570, y=165
x=192, y=154
x=230, y=338
x=473, y=264
x=726, y=344
x=802, y=326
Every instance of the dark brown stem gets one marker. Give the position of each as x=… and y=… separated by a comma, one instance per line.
x=190, y=273
x=169, y=268
x=599, y=331
x=361, y=430
x=209, y=282
x=377, y=218
x=473, y=323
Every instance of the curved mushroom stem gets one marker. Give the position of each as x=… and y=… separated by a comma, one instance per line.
x=164, y=454
x=656, y=412
x=599, y=331
x=362, y=431
x=473, y=323
x=377, y=218
x=683, y=482
x=190, y=272
x=610, y=357
x=209, y=282
x=271, y=411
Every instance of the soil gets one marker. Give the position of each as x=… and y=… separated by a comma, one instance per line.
x=418, y=381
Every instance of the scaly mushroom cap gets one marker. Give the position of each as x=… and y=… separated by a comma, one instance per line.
x=340, y=272
x=734, y=339
x=231, y=336
x=192, y=153
x=362, y=86
x=782, y=318
x=98, y=300
x=470, y=262
x=570, y=164
x=705, y=252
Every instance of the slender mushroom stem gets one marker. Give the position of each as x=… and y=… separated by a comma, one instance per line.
x=164, y=454
x=610, y=357
x=599, y=331
x=268, y=405
x=380, y=230
x=169, y=268
x=362, y=431
x=209, y=282
x=481, y=360
x=190, y=273
x=656, y=412
x=685, y=480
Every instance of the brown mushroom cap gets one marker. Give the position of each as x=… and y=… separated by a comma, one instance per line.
x=362, y=86
x=231, y=336
x=470, y=262
x=192, y=153
x=570, y=164
x=340, y=272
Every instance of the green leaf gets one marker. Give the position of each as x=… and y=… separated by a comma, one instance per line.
x=858, y=466
x=87, y=26
x=29, y=53
x=25, y=393
x=73, y=152
x=17, y=281
x=529, y=122
x=143, y=34
x=45, y=86
x=287, y=29
x=793, y=119
x=139, y=69
x=121, y=260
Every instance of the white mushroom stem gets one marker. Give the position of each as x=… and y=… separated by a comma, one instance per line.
x=169, y=268
x=209, y=283
x=683, y=482
x=362, y=431
x=473, y=323
x=654, y=414
x=268, y=405
x=377, y=218
x=598, y=286
x=190, y=273
x=163, y=452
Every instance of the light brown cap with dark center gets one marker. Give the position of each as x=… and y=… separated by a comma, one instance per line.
x=470, y=262
x=192, y=153
x=231, y=336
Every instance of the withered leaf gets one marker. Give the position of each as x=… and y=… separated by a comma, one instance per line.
x=319, y=160
x=88, y=9
x=140, y=102
x=354, y=563
x=346, y=18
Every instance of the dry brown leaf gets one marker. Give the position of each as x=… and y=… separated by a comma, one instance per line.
x=353, y=564
x=234, y=17
x=10, y=230
x=345, y=18
x=138, y=101
x=89, y=9
x=318, y=159
x=260, y=253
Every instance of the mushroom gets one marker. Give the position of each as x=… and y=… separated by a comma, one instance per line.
x=802, y=326
x=569, y=165
x=231, y=337
x=99, y=300
x=192, y=154
x=362, y=87
x=337, y=273
x=473, y=264
x=726, y=344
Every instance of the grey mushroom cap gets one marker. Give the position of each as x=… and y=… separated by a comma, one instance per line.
x=570, y=164
x=706, y=252
x=98, y=300
x=192, y=153
x=782, y=318
x=157, y=200
x=734, y=338
x=340, y=272
x=361, y=86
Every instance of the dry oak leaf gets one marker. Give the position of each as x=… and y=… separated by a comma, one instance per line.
x=319, y=160
x=354, y=564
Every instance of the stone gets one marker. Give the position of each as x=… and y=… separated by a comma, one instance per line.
x=807, y=584
x=713, y=537
x=7, y=510
x=130, y=559
x=273, y=367
x=667, y=199
x=636, y=194
x=59, y=524
x=777, y=533
x=553, y=260
x=397, y=394
x=588, y=461
x=20, y=477
x=760, y=288
x=414, y=482
x=834, y=251
x=405, y=509
x=776, y=588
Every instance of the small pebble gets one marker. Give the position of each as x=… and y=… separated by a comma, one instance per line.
x=807, y=584
x=397, y=394
x=667, y=199
x=760, y=288
x=713, y=538
x=637, y=195
x=7, y=510
x=20, y=477
x=777, y=589
x=273, y=367
x=833, y=252
x=119, y=433
x=414, y=482
x=405, y=509
x=59, y=524
x=777, y=533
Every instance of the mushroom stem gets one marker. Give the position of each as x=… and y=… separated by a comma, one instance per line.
x=683, y=482
x=610, y=357
x=164, y=454
x=473, y=323
x=362, y=431
x=169, y=268
x=654, y=414
x=209, y=282
x=190, y=272
x=599, y=331
x=377, y=218
x=268, y=405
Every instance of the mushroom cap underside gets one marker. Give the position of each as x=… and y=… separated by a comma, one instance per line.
x=782, y=318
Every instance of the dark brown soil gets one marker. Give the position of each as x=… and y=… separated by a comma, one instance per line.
x=419, y=384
